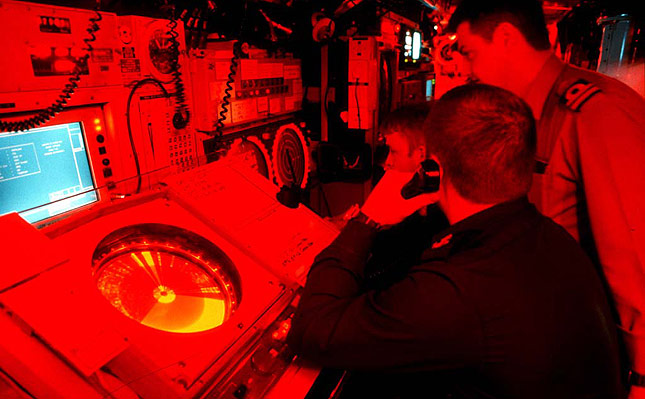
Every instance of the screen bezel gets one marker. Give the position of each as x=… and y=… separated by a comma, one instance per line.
x=85, y=116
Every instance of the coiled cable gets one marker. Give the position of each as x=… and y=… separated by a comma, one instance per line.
x=67, y=92
x=227, y=91
x=182, y=114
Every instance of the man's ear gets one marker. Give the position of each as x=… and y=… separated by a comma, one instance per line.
x=506, y=35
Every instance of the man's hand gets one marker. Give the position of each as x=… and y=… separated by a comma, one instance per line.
x=636, y=392
x=339, y=221
x=386, y=206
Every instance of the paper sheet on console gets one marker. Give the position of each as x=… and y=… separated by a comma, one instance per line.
x=242, y=205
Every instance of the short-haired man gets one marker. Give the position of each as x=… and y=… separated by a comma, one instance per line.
x=403, y=134
x=394, y=249
x=590, y=148
x=404, y=149
x=503, y=304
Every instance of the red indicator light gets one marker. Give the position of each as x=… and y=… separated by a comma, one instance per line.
x=64, y=66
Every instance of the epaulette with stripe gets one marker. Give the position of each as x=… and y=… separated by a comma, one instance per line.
x=579, y=93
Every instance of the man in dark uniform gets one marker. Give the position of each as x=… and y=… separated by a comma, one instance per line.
x=589, y=174
x=395, y=248
x=503, y=304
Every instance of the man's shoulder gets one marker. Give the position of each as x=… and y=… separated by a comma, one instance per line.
x=554, y=231
x=531, y=243
x=542, y=242
x=577, y=89
x=523, y=234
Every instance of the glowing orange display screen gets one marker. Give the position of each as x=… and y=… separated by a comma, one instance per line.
x=165, y=284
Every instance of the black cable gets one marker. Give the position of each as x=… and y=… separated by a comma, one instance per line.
x=136, y=87
x=321, y=186
x=322, y=191
x=326, y=105
x=358, y=107
x=291, y=168
x=227, y=91
x=219, y=125
x=304, y=98
x=290, y=195
x=182, y=114
x=67, y=92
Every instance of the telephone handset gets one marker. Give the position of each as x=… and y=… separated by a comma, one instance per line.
x=425, y=180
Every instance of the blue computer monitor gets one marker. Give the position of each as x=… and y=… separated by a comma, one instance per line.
x=45, y=171
x=430, y=88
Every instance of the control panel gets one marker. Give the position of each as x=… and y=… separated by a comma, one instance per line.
x=155, y=76
x=46, y=48
x=233, y=87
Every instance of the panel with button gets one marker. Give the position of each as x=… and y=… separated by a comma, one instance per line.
x=181, y=151
x=260, y=370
